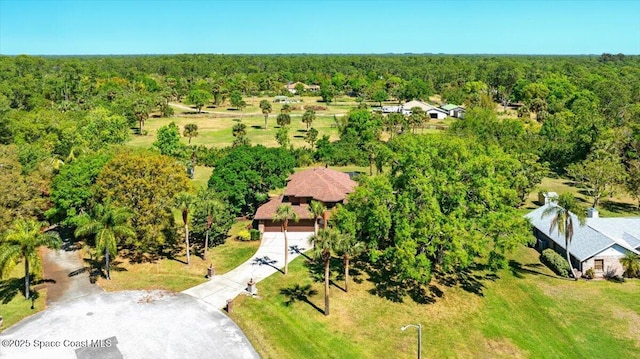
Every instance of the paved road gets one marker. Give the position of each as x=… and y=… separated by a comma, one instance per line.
x=129, y=324
x=69, y=277
x=144, y=324
x=268, y=260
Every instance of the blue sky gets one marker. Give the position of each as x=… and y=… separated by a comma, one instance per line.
x=52, y=27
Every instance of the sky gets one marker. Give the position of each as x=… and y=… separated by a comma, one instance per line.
x=95, y=27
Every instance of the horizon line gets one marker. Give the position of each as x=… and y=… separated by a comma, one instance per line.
x=320, y=54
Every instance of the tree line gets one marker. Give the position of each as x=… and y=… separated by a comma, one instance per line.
x=63, y=121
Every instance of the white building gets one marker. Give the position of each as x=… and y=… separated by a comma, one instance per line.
x=433, y=112
x=599, y=244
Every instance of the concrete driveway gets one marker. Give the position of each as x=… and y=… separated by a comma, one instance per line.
x=130, y=324
x=269, y=259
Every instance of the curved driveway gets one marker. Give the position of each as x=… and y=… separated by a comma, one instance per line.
x=268, y=259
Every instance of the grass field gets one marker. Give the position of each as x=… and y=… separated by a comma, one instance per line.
x=174, y=274
x=14, y=307
x=215, y=124
x=620, y=205
x=201, y=177
x=527, y=312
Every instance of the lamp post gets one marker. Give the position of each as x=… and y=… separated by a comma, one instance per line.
x=419, y=327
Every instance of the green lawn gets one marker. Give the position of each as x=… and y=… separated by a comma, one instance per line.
x=201, y=177
x=525, y=313
x=214, y=126
x=216, y=132
x=620, y=205
x=13, y=305
x=174, y=274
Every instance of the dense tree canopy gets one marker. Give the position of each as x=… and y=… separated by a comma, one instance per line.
x=446, y=204
x=72, y=188
x=246, y=174
x=146, y=183
x=57, y=115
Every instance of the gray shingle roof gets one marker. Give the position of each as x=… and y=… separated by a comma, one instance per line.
x=595, y=236
x=633, y=241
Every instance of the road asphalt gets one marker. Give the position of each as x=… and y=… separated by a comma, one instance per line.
x=128, y=324
x=83, y=322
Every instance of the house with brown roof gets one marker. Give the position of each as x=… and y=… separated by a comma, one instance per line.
x=316, y=184
x=291, y=86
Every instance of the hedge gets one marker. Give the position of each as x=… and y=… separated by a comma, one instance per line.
x=555, y=262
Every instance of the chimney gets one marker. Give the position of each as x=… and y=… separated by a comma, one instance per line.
x=592, y=213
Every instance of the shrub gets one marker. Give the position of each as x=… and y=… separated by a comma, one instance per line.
x=255, y=234
x=244, y=235
x=315, y=108
x=555, y=262
x=590, y=274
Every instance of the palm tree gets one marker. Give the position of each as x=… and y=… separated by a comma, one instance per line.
x=308, y=117
x=107, y=224
x=22, y=240
x=283, y=119
x=324, y=243
x=417, y=118
x=317, y=210
x=265, y=105
x=563, y=220
x=212, y=207
x=349, y=247
x=284, y=213
x=184, y=202
x=631, y=264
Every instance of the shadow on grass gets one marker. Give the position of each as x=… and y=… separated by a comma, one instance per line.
x=518, y=270
x=296, y=249
x=257, y=127
x=469, y=279
x=194, y=113
x=10, y=288
x=618, y=207
x=388, y=285
x=300, y=293
x=586, y=199
x=136, y=257
x=96, y=268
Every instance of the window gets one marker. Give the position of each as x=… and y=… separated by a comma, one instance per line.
x=599, y=265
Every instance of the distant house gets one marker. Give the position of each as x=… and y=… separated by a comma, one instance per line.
x=395, y=109
x=318, y=184
x=454, y=110
x=599, y=244
x=291, y=87
x=285, y=99
x=432, y=112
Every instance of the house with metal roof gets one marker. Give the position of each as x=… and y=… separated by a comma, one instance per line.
x=432, y=111
x=454, y=110
x=599, y=244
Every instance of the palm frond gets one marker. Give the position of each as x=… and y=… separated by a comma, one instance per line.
x=9, y=257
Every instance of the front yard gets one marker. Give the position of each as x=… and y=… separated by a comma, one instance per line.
x=524, y=312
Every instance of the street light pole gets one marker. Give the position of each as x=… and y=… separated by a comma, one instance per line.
x=419, y=327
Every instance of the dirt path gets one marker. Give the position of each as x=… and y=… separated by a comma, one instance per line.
x=66, y=268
